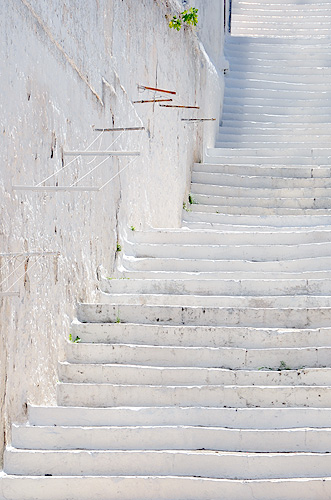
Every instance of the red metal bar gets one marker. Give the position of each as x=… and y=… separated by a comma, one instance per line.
x=175, y=106
x=157, y=90
x=153, y=100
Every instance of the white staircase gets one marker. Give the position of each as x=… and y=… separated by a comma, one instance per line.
x=205, y=370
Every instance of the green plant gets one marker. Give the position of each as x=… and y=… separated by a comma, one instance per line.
x=118, y=247
x=189, y=17
x=283, y=366
x=191, y=200
x=77, y=339
x=132, y=228
x=185, y=207
x=118, y=319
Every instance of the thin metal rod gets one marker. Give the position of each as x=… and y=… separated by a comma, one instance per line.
x=157, y=90
x=176, y=106
x=152, y=100
x=112, y=178
x=119, y=129
x=198, y=119
x=56, y=188
x=90, y=171
x=35, y=262
x=100, y=162
x=67, y=165
x=101, y=153
x=9, y=294
x=10, y=260
x=27, y=254
x=13, y=272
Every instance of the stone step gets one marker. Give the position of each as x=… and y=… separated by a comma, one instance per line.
x=206, y=238
x=199, y=336
x=237, y=142
x=323, y=194
x=306, y=19
x=294, y=265
x=271, y=139
x=202, y=463
x=256, y=210
x=100, y=373
x=288, y=118
x=169, y=438
x=105, y=395
x=261, y=69
x=265, y=130
x=270, y=251
x=160, y=488
x=277, y=93
x=296, y=108
x=310, y=26
x=227, y=274
x=215, y=287
x=197, y=224
x=258, y=100
x=233, y=358
x=314, y=32
x=231, y=418
x=261, y=64
x=254, y=139
x=295, y=317
x=256, y=83
x=302, y=153
x=274, y=142
x=249, y=41
x=316, y=53
x=257, y=181
x=226, y=301
x=267, y=171
x=263, y=202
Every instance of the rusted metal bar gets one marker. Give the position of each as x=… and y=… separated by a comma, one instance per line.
x=118, y=129
x=152, y=100
x=157, y=90
x=198, y=119
x=176, y=106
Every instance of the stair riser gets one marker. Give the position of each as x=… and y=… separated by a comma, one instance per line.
x=199, y=336
x=232, y=358
x=261, y=253
x=260, y=211
x=218, y=287
x=175, y=237
x=237, y=418
x=244, y=119
x=302, y=173
x=236, y=180
x=171, y=438
x=290, y=318
x=304, y=195
x=209, y=465
x=229, y=266
x=264, y=85
x=104, y=395
x=160, y=488
x=130, y=375
x=286, y=301
x=293, y=108
x=276, y=93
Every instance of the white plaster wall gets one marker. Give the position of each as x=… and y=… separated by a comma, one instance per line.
x=66, y=67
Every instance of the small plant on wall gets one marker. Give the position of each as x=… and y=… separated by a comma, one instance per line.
x=188, y=17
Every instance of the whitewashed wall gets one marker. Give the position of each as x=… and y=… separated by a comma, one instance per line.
x=65, y=67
